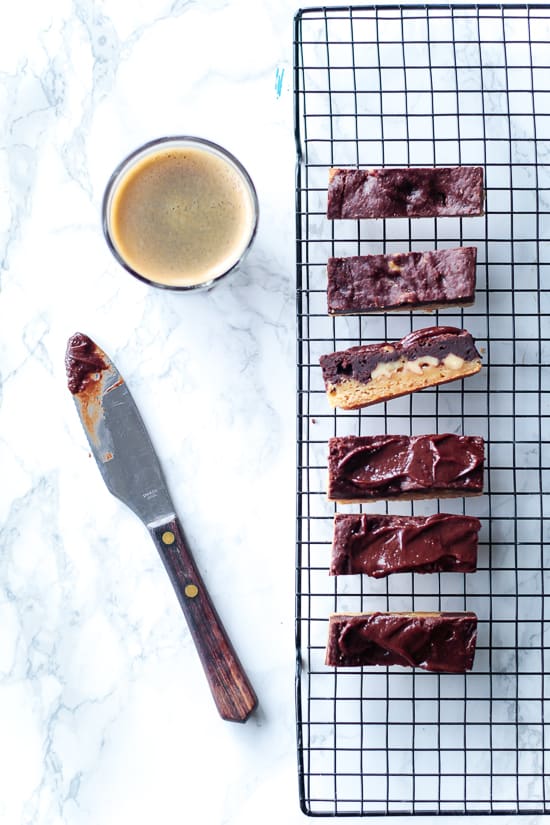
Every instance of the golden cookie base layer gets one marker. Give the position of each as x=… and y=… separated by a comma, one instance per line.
x=351, y=394
x=416, y=640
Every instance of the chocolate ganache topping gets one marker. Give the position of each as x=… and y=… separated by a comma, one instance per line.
x=378, y=545
x=82, y=360
x=440, y=642
x=363, y=467
x=359, y=362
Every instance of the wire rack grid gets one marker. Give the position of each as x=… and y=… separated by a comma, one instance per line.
x=421, y=86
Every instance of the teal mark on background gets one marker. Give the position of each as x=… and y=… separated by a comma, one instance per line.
x=279, y=75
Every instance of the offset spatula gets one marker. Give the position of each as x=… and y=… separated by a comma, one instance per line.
x=131, y=470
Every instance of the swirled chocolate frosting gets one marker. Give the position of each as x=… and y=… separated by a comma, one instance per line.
x=440, y=642
x=378, y=545
x=363, y=468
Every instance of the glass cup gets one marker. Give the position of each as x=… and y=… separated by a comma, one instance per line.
x=158, y=222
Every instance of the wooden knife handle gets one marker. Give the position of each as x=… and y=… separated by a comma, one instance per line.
x=231, y=689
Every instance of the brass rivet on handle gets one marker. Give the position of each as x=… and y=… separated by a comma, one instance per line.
x=168, y=537
x=191, y=590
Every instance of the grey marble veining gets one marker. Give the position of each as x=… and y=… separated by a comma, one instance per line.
x=104, y=711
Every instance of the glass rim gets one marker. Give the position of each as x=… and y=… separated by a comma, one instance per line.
x=126, y=163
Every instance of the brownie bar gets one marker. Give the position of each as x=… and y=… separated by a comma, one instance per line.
x=439, y=642
x=405, y=193
x=378, y=545
x=370, y=468
x=404, y=280
x=371, y=373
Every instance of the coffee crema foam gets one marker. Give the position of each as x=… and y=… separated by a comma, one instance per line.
x=181, y=216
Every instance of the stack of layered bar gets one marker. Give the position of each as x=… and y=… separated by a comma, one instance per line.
x=399, y=467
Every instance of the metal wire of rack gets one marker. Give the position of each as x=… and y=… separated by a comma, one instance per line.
x=431, y=85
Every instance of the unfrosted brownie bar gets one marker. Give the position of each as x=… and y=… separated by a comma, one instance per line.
x=371, y=373
x=374, y=467
x=439, y=642
x=378, y=545
x=402, y=281
x=405, y=193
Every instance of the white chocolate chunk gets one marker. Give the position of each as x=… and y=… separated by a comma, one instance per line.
x=386, y=368
x=453, y=362
x=424, y=361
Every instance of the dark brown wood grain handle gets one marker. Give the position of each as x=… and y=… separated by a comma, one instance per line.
x=231, y=689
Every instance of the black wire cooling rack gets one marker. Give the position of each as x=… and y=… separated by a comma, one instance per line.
x=422, y=86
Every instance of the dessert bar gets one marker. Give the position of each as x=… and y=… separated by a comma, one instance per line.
x=440, y=642
x=404, y=280
x=370, y=468
x=378, y=545
x=371, y=373
x=405, y=193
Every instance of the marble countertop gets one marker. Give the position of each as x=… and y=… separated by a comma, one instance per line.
x=105, y=716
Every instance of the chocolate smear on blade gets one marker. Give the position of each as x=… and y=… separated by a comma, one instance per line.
x=90, y=376
x=82, y=360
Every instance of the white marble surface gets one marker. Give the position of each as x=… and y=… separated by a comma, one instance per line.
x=104, y=713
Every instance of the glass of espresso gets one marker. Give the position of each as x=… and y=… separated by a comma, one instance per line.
x=180, y=213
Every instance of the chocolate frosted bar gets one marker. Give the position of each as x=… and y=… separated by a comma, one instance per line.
x=370, y=468
x=378, y=545
x=364, y=375
x=404, y=280
x=440, y=642
x=405, y=193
